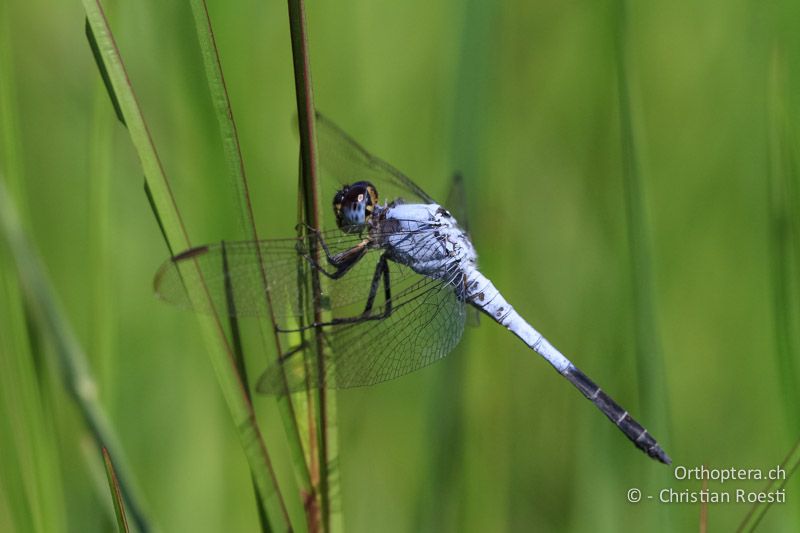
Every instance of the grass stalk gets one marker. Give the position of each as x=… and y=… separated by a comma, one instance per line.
x=326, y=452
x=237, y=176
x=116, y=496
x=222, y=357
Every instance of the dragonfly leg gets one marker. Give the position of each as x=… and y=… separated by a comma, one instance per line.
x=387, y=292
x=381, y=271
x=342, y=261
x=333, y=259
x=300, y=347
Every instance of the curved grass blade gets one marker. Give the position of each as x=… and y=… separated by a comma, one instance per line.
x=50, y=320
x=116, y=495
x=222, y=357
x=31, y=496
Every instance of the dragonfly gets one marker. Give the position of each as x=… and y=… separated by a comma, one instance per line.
x=398, y=277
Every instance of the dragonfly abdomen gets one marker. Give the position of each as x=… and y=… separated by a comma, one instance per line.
x=482, y=293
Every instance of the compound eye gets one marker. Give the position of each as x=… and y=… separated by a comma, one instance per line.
x=353, y=206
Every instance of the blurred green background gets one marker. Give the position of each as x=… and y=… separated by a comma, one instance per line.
x=523, y=98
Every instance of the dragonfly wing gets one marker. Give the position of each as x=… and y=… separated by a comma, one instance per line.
x=242, y=278
x=456, y=201
x=347, y=162
x=229, y=278
x=236, y=278
x=425, y=324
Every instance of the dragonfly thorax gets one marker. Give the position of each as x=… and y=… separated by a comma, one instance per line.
x=354, y=206
x=426, y=238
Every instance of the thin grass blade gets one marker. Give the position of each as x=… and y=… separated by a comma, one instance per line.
x=222, y=357
x=116, y=495
x=237, y=177
x=29, y=463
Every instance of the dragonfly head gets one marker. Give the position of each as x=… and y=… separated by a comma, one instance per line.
x=354, y=206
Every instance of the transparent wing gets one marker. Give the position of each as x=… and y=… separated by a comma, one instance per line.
x=229, y=278
x=425, y=324
x=236, y=278
x=242, y=278
x=347, y=161
x=456, y=201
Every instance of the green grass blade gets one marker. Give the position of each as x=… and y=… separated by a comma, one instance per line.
x=222, y=357
x=784, y=240
x=32, y=484
x=50, y=321
x=29, y=462
x=31, y=487
x=326, y=475
x=116, y=496
x=238, y=179
x=238, y=350
x=224, y=112
x=652, y=380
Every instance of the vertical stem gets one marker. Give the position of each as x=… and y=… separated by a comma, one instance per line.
x=310, y=192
